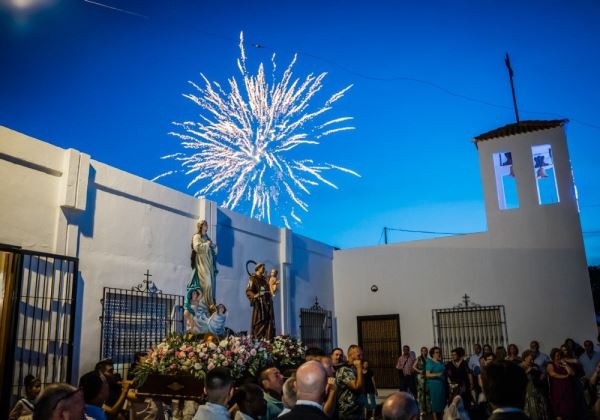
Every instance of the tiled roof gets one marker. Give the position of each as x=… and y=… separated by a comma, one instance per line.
x=519, y=128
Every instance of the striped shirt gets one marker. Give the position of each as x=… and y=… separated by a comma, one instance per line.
x=405, y=363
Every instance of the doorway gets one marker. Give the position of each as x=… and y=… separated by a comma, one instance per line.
x=379, y=337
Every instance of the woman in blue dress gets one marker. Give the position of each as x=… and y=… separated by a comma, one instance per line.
x=436, y=382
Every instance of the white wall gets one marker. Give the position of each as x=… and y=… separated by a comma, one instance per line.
x=532, y=261
x=305, y=268
x=119, y=225
x=312, y=271
x=31, y=173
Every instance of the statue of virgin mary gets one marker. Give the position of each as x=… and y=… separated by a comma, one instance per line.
x=204, y=265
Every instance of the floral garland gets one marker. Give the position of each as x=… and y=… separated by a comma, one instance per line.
x=193, y=355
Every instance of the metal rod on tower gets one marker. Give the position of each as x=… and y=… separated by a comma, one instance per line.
x=512, y=85
x=385, y=235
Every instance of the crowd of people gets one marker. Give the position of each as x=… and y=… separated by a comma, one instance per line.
x=561, y=385
x=101, y=394
x=495, y=384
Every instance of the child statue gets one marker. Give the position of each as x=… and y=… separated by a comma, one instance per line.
x=201, y=319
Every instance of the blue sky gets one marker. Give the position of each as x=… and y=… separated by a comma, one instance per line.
x=109, y=83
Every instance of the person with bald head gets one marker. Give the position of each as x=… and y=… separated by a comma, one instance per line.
x=400, y=406
x=311, y=380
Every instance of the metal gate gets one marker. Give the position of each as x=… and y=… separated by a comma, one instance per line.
x=379, y=338
x=315, y=327
x=467, y=324
x=37, y=315
x=136, y=319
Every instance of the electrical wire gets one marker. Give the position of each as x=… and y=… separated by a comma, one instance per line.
x=429, y=232
x=402, y=78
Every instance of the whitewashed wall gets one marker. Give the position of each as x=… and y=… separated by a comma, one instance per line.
x=119, y=225
x=531, y=260
x=305, y=268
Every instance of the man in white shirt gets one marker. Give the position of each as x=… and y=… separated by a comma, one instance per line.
x=474, y=359
x=311, y=380
x=474, y=367
x=539, y=358
x=218, y=389
x=589, y=360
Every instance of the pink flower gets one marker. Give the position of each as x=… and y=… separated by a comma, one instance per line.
x=191, y=354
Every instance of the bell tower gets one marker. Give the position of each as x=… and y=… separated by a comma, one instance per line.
x=530, y=197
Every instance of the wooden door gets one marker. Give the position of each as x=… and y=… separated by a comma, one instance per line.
x=379, y=337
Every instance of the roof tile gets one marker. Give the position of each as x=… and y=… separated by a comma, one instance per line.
x=519, y=128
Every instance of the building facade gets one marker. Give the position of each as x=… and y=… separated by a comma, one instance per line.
x=531, y=261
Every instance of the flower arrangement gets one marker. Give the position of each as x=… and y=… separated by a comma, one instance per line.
x=193, y=355
x=288, y=351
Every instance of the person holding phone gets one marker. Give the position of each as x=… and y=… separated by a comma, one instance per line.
x=562, y=392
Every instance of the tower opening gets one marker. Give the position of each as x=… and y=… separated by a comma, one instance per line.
x=506, y=182
x=545, y=176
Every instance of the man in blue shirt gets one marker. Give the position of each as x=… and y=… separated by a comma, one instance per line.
x=95, y=393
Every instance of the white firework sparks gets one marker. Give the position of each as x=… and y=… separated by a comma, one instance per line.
x=241, y=147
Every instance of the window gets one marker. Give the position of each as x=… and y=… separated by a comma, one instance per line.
x=135, y=321
x=466, y=326
x=506, y=183
x=316, y=327
x=543, y=170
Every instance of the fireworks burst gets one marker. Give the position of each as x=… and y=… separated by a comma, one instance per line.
x=241, y=145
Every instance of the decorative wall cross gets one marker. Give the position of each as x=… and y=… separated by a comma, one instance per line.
x=147, y=285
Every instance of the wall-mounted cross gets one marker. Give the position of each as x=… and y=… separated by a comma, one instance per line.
x=147, y=285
